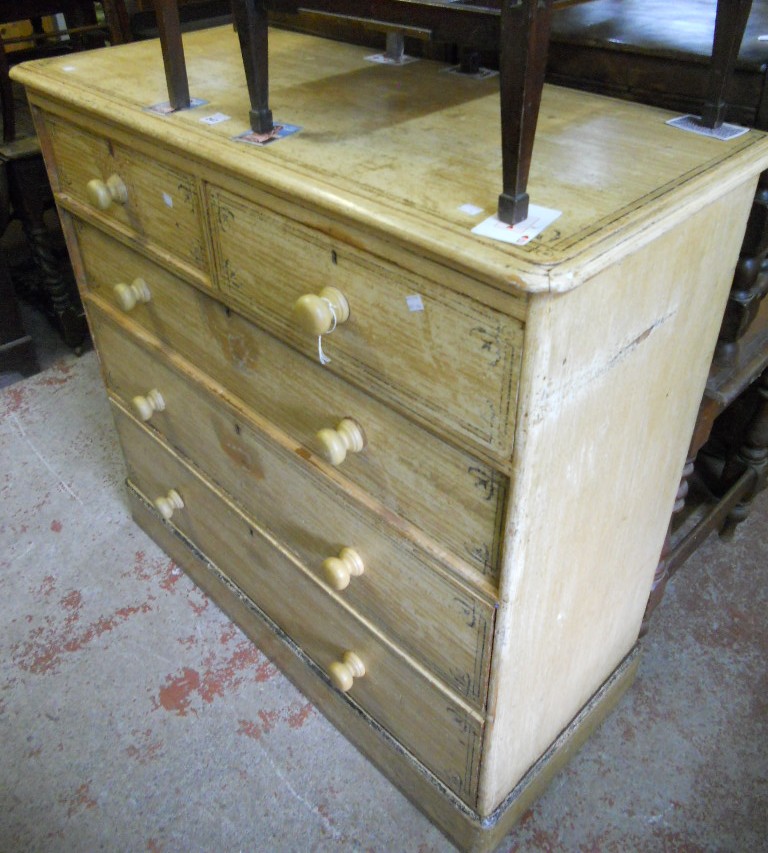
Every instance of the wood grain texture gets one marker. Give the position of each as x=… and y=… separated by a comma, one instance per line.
x=162, y=203
x=348, y=160
x=464, y=826
x=615, y=310
x=437, y=620
x=404, y=467
x=433, y=724
x=389, y=345
x=608, y=403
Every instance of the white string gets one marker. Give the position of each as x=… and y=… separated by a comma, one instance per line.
x=322, y=357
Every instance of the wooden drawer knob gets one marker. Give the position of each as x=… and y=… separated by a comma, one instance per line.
x=129, y=295
x=147, y=405
x=320, y=313
x=343, y=672
x=339, y=570
x=102, y=194
x=334, y=444
x=167, y=505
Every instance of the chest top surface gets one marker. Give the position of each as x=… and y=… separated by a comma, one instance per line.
x=401, y=150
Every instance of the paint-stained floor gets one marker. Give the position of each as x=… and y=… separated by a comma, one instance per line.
x=135, y=717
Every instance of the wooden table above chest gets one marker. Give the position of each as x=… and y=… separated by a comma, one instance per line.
x=442, y=515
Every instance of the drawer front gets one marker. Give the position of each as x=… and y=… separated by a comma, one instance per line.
x=452, y=496
x=429, y=351
x=427, y=720
x=160, y=204
x=436, y=619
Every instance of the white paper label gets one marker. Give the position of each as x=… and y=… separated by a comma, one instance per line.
x=414, y=302
x=168, y=200
x=538, y=219
x=216, y=118
x=693, y=125
x=471, y=209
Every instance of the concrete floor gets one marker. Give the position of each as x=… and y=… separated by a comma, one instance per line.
x=134, y=716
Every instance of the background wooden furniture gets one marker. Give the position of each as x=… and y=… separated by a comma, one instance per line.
x=658, y=53
x=17, y=351
x=497, y=435
x=29, y=196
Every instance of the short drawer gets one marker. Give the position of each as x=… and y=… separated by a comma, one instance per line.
x=157, y=203
x=431, y=723
x=454, y=497
x=438, y=354
x=437, y=619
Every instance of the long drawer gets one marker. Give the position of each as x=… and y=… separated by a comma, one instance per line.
x=157, y=204
x=454, y=497
x=439, y=354
x=429, y=721
x=438, y=620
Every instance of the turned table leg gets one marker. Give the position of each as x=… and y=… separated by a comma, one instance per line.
x=30, y=195
x=752, y=455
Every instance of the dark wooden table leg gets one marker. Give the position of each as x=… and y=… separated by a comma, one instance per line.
x=167, y=12
x=730, y=23
x=251, y=22
x=117, y=20
x=525, y=28
x=6, y=98
x=752, y=455
x=30, y=195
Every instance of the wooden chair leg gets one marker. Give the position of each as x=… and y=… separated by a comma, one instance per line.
x=251, y=21
x=730, y=23
x=167, y=12
x=525, y=26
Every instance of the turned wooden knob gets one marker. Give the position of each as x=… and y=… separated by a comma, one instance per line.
x=167, y=505
x=147, y=405
x=339, y=570
x=320, y=313
x=129, y=295
x=343, y=672
x=102, y=194
x=348, y=437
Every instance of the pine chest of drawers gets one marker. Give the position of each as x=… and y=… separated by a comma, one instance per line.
x=429, y=472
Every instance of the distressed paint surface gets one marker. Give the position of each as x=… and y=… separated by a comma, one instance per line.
x=133, y=715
